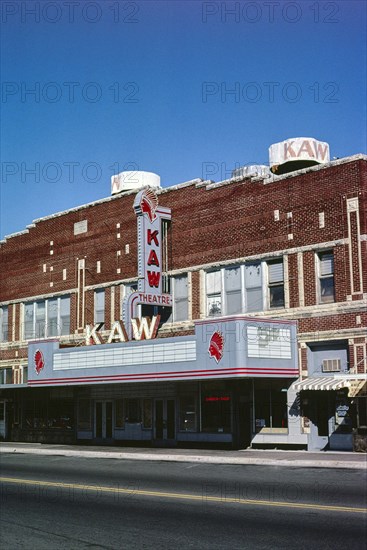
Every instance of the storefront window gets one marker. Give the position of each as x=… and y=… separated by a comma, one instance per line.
x=188, y=413
x=262, y=409
x=84, y=415
x=361, y=410
x=279, y=413
x=119, y=414
x=271, y=407
x=133, y=411
x=60, y=414
x=43, y=414
x=216, y=409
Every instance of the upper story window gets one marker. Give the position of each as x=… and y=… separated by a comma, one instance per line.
x=233, y=290
x=180, y=297
x=241, y=289
x=214, y=292
x=276, y=283
x=326, y=291
x=4, y=324
x=99, y=305
x=253, y=284
x=46, y=318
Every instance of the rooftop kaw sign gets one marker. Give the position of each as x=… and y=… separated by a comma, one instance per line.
x=299, y=149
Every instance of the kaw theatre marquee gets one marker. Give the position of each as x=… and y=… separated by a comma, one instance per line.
x=227, y=347
x=236, y=347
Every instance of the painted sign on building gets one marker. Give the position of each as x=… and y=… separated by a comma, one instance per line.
x=298, y=149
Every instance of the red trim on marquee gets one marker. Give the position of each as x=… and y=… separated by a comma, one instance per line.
x=168, y=375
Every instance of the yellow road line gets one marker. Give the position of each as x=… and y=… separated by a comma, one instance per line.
x=182, y=496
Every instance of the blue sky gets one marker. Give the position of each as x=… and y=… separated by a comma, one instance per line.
x=185, y=89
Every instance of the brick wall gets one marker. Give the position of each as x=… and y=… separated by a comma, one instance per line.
x=208, y=226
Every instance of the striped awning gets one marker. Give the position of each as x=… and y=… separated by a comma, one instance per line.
x=326, y=383
x=358, y=388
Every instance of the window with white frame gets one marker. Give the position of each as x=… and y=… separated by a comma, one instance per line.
x=179, y=289
x=233, y=290
x=4, y=324
x=326, y=276
x=214, y=292
x=99, y=305
x=46, y=318
x=53, y=317
x=253, y=285
x=276, y=283
x=239, y=289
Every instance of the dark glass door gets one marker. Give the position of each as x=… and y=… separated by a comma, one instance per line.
x=165, y=419
x=159, y=421
x=104, y=420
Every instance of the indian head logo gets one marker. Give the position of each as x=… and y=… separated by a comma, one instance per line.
x=149, y=204
x=39, y=361
x=216, y=346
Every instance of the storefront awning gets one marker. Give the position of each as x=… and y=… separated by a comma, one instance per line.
x=358, y=388
x=325, y=383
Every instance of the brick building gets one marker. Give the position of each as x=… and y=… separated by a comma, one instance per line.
x=260, y=314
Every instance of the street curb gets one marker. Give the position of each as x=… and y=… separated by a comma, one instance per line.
x=189, y=458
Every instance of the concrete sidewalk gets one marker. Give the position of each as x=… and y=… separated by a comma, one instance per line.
x=321, y=459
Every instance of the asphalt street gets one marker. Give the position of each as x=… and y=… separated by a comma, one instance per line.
x=66, y=502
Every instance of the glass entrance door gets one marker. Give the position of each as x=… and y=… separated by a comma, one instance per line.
x=164, y=419
x=103, y=416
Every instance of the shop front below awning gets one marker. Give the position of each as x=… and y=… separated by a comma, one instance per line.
x=326, y=383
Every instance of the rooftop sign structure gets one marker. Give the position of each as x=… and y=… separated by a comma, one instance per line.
x=133, y=179
x=297, y=153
